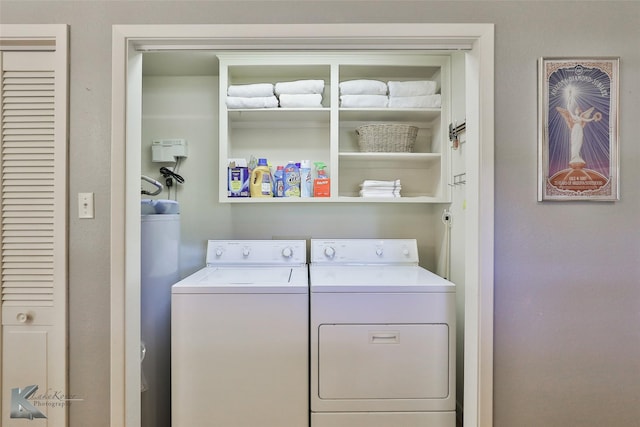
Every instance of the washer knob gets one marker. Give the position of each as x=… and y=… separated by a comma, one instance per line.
x=287, y=252
x=379, y=251
x=219, y=252
x=245, y=251
x=405, y=252
x=329, y=252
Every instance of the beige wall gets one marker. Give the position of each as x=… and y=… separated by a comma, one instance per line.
x=567, y=275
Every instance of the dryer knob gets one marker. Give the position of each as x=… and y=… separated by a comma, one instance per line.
x=287, y=252
x=245, y=252
x=379, y=251
x=405, y=252
x=329, y=252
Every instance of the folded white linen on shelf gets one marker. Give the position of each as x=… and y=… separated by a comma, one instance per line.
x=422, y=101
x=251, y=90
x=412, y=88
x=298, y=100
x=363, y=87
x=299, y=87
x=374, y=188
x=377, y=184
x=370, y=193
x=235, y=102
x=364, y=101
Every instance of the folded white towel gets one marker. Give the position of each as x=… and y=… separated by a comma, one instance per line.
x=384, y=184
x=412, y=88
x=299, y=87
x=256, y=102
x=380, y=190
x=305, y=100
x=251, y=90
x=365, y=193
x=363, y=87
x=375, y=188
x=364, y=101
x=423, y=101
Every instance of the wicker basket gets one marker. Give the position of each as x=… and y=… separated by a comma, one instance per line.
x=391, y=138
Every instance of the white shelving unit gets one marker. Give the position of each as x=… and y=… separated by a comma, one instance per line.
x=327, y=134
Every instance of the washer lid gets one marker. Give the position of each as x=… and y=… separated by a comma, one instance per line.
x=245, y=280
x=371, y=278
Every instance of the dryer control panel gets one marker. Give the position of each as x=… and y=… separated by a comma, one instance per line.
x=256, y=252
x=364, y=251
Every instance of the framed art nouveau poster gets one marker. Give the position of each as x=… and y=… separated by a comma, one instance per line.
x=578, y=129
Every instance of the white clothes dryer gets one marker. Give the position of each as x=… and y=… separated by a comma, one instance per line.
x=239, y=337
x=382, y=333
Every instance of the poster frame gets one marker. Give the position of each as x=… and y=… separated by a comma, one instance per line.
x=574, y=163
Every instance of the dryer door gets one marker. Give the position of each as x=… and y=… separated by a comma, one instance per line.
x=383, y=361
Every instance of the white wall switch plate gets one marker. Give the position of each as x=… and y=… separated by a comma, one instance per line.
x=85, y=205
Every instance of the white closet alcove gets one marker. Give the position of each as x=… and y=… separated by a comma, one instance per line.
x=462, y=184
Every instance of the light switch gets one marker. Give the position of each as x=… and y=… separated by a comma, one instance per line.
x=85, y=205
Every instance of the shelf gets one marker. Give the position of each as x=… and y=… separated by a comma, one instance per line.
x=338, y=199
x=279, y=199
x=374, y=160
x=262, y=115
x=404, y=199
x=328, y=134
x=419, y=115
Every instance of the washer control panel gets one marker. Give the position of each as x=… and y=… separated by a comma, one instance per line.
x=364, y=251
x=260, y=252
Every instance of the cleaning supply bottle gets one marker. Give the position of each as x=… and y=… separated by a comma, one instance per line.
x=278, y=182
x=261, y=184
x=291, y=180
x=322, y=183
x=306, y=181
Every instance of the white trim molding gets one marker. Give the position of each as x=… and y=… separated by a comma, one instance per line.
x=129, y=41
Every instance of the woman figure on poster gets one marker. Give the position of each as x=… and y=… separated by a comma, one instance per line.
x=576, y=121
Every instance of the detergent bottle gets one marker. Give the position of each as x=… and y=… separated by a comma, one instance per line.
x=278, y=182
x=322, y=183
x=291, y=180
x=306, y=180
x=261, y=184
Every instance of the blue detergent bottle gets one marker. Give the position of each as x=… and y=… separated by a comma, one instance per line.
x=278, y=182
x=291, y=180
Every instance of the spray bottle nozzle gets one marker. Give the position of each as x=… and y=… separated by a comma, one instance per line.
x=320, y=168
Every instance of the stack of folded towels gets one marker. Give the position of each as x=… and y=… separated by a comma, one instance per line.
x=359, y=93
x=414, y=94
x=300, y=93
x=371, y=188
x=363, y=93
x=257, y=95
x=294, y=94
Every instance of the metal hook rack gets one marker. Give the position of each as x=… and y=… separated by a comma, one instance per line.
x=454, y=132
x=459, y=179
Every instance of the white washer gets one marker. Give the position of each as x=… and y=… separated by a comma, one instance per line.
x=382, y=336
x=239, y=337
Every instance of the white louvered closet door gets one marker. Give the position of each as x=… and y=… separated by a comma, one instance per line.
x=33, y=231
